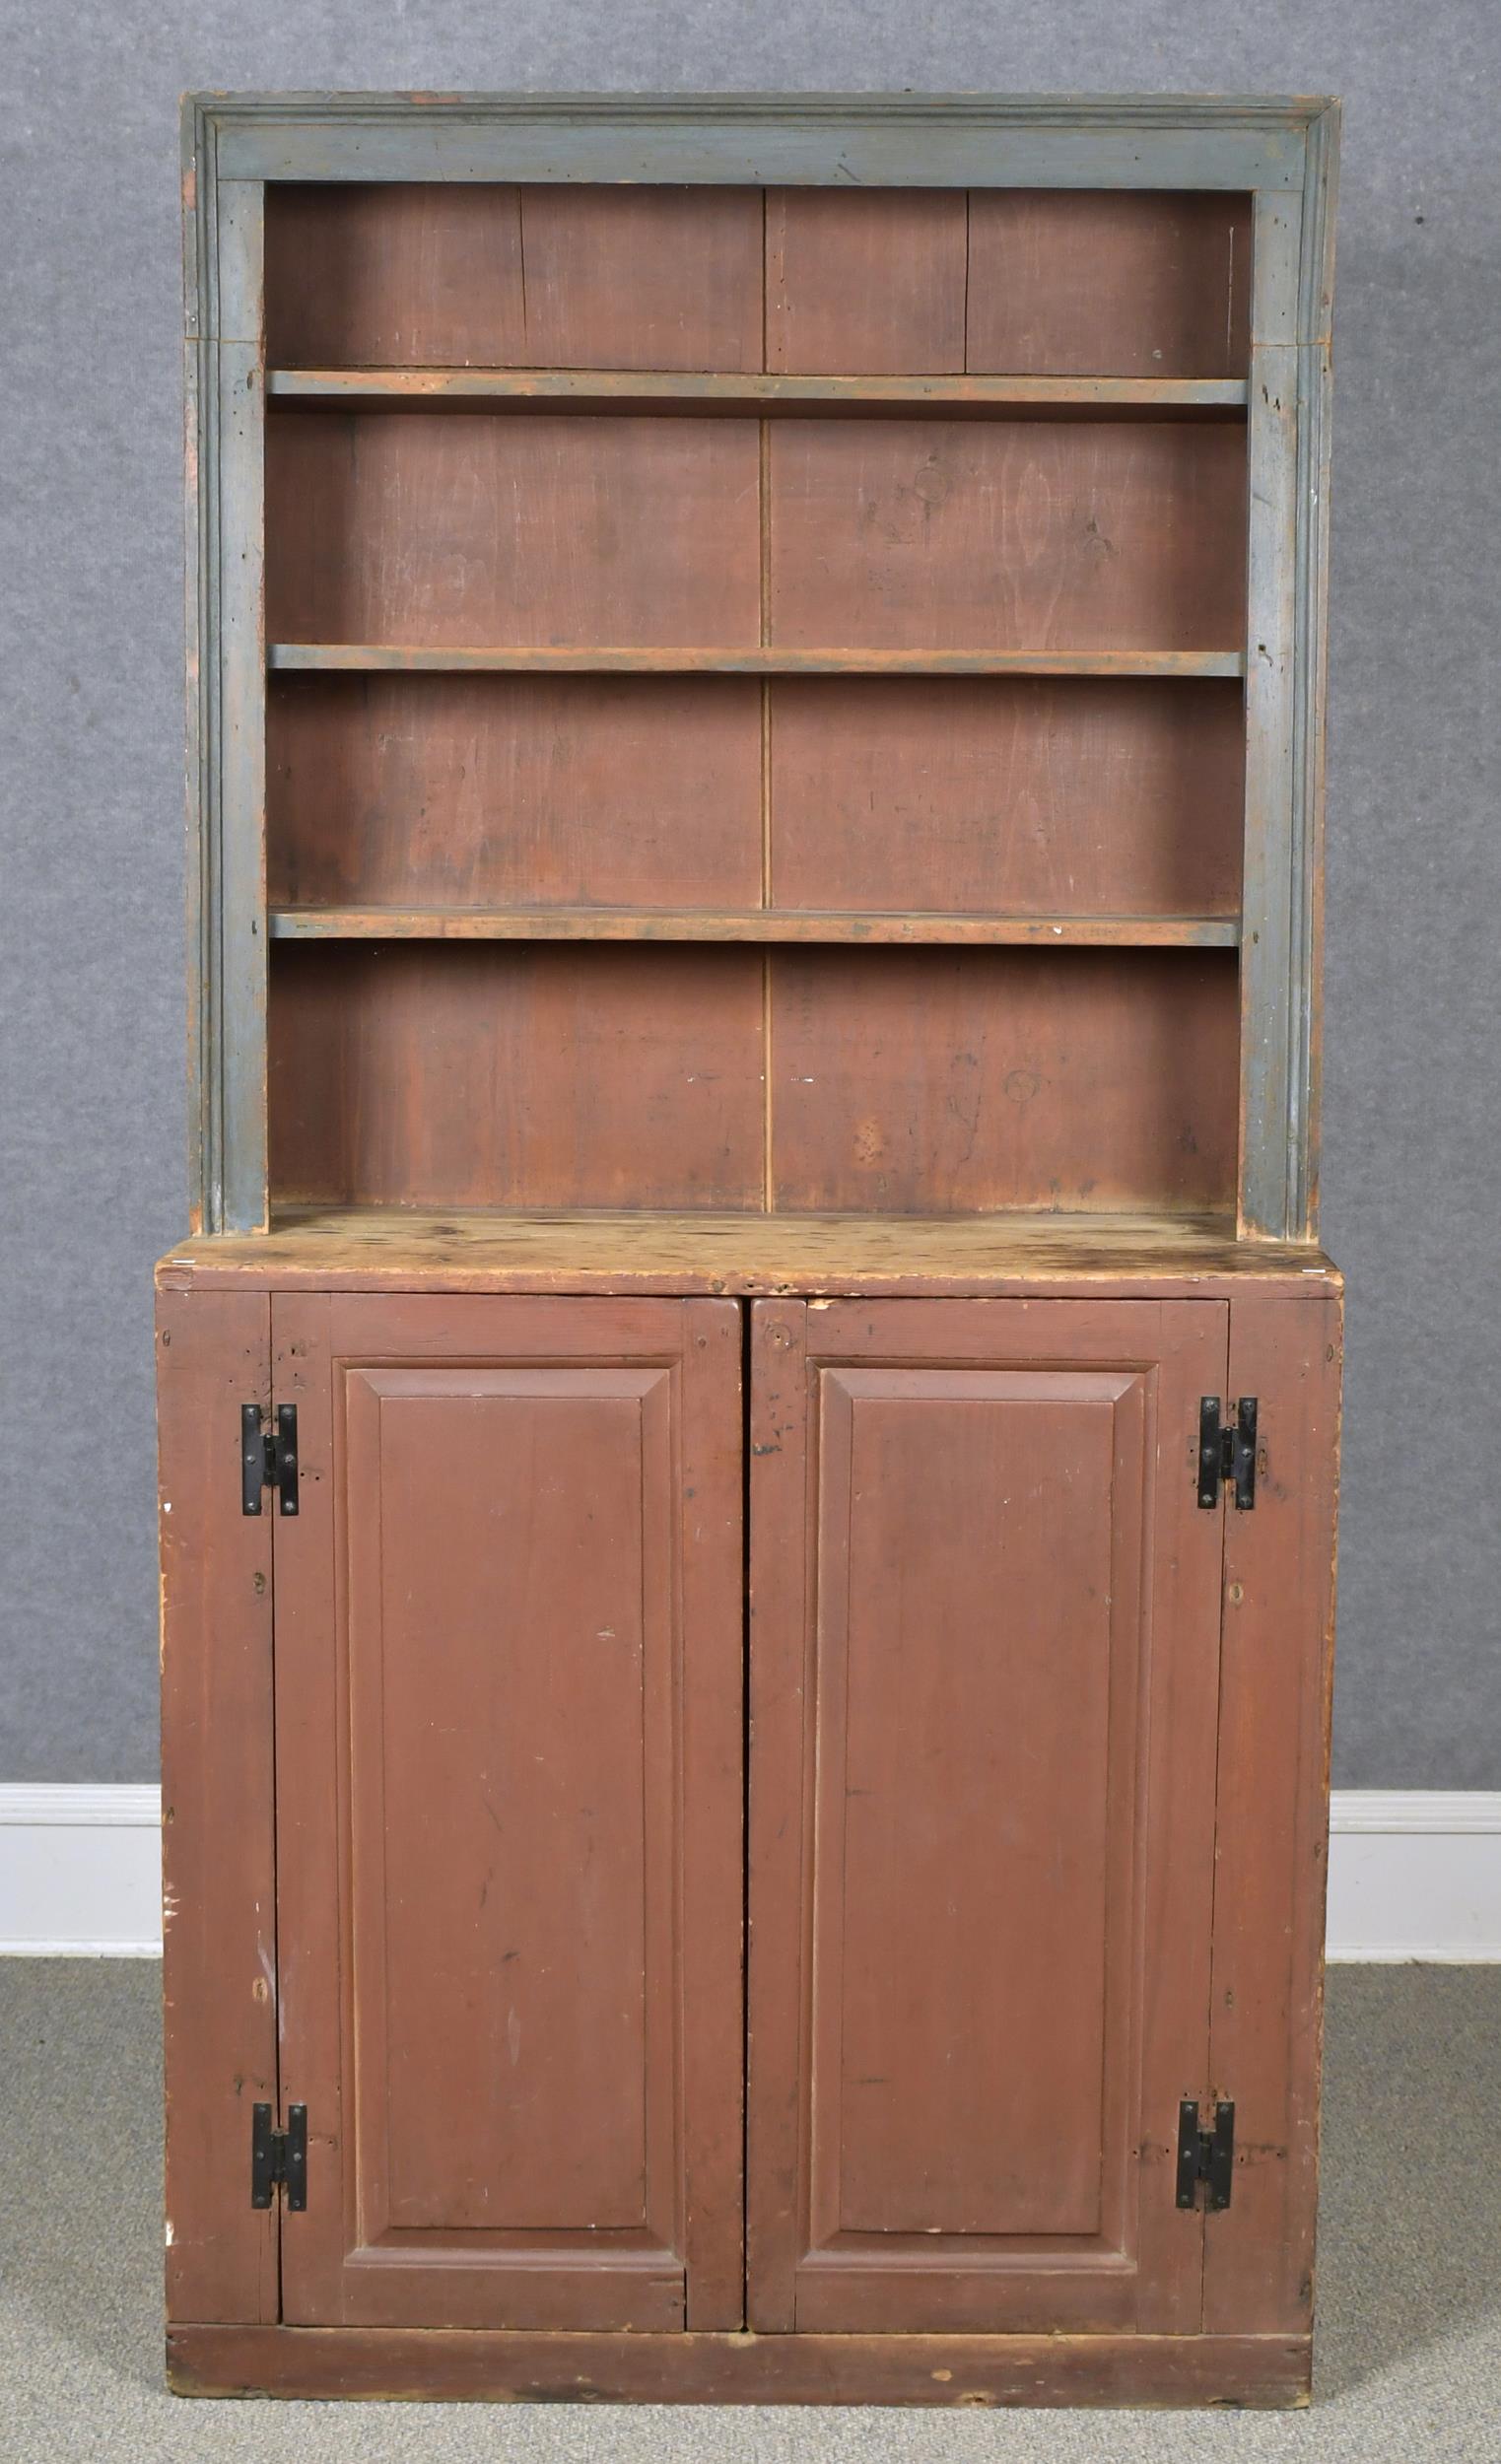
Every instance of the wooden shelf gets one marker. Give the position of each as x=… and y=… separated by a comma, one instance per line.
x=616, y=923
x=525, y=659
x=614, y=389
x=365, y=1249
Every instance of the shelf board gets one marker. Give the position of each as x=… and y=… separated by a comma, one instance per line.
x=527, y=660
x=375, y=1248
x=610, y=388
x=616, y=923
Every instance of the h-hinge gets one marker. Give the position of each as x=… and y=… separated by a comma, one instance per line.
x=1205, y=2157
x=279, y=2158
x=267, y=1458
x=1227, y=1454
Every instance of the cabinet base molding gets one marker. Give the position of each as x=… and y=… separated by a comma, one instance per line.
x=470, y=2366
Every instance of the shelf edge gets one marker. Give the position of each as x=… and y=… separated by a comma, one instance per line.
x=521, y=660
x=751, y=924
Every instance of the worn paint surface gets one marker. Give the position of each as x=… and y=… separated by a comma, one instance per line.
x=398, y=1248
x=967, y=2371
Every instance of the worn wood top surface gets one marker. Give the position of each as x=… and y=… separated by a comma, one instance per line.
x=401, y=1250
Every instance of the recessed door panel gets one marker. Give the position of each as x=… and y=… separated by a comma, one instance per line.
x=983, y=1666
x=509, y=1683
x=509, y=1701
x=980, y=1553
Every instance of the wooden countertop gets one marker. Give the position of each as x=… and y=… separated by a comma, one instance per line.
x=401, y=1250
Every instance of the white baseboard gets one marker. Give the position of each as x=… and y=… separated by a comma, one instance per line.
x=1414, y=1874
x=80, y=1873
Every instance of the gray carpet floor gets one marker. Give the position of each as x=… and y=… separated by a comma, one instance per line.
x=1409, y=2289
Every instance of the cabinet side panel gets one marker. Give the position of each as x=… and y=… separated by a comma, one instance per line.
x=218, y=1951
x=1273, y=1822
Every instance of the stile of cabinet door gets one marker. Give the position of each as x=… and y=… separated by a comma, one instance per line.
x=983, y=1677
x=509, y=1681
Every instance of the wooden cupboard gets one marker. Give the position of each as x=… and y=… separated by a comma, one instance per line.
x=745, y=1755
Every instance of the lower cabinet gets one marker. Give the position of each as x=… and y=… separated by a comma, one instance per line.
x=933, y=2043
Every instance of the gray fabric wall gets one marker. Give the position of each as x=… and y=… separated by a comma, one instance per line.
x=91, y=764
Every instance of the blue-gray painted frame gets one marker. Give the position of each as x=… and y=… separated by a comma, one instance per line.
x=226, y=693
x=1288, y=432
x=1282, y=150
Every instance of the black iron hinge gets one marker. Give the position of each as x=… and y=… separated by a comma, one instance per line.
x=1227, y=1454
x=1205, y=2157
x=279, y=2158
x=267, y=1458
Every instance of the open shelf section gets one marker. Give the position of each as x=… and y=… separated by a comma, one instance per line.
x=533, y=659
x=795, y=1080
x=615, y=924
x=801, y=279
x=614, y=388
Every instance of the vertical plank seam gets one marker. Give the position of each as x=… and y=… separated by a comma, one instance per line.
x=768, y=1182
x=1230, y=305
x=521, y=266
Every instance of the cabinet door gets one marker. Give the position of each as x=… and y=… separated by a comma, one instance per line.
x=985, y=1645
x=509, y=1728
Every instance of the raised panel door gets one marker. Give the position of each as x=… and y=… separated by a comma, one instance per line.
x=509, y=1707
x=984, y=1648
